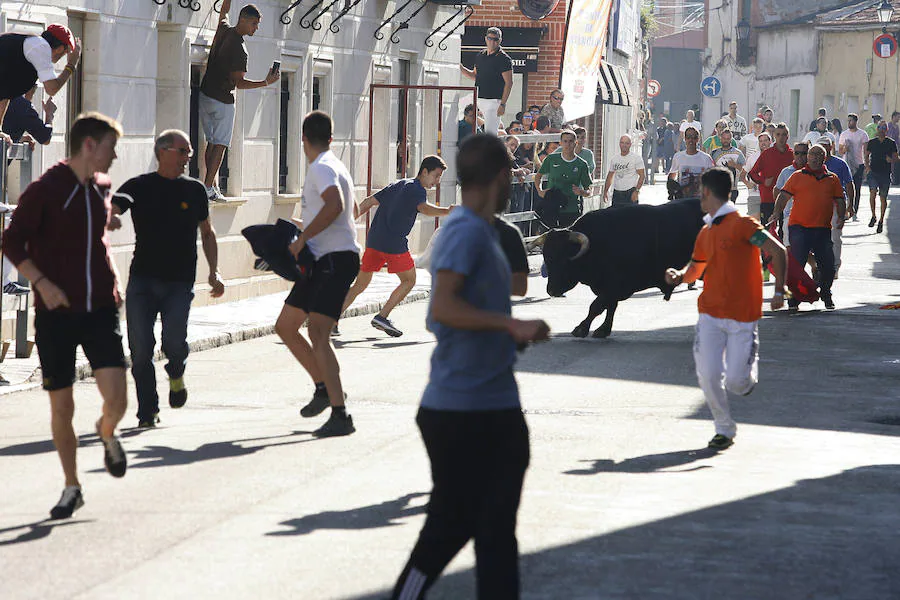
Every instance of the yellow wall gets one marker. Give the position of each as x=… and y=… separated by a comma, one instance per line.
x=842, y=74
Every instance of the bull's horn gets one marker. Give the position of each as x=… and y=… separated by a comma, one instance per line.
x=582, y=240
x=538, y=241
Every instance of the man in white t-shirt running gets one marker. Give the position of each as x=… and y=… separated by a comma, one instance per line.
x=327, y=209
x=736, y=123
x=852, y=148
x=626, y=175
x=688, y=122
x=688, y=165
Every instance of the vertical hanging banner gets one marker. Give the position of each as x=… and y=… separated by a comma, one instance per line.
x=586, y=28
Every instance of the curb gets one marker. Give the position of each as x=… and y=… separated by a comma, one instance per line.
x=83, y=370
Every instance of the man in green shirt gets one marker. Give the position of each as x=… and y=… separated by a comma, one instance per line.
x=569, y=180
x=586, y=153
x=872, y=128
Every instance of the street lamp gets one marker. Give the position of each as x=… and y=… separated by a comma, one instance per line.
x=885, y=12
x=743, y=30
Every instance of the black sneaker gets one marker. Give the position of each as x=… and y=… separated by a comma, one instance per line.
x=335, y=426
x=148, y=423
x=385, y=325
x=872, y=222
x=178, y=399
x=318, y=404
x=829, y=302
x=335, y=330
x=720, y=442
x=113, y=455
x=70, y=501
x=880, y=227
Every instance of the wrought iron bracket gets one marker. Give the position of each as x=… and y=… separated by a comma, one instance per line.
x=306, y=23
x=194, y=5
x=284, y=18
x=315, y=20
x=160, y=2
x=459, y=10
x=469, y=12
x=378, y=34
x=405, y=25
x=216, y=6
x=333, y=28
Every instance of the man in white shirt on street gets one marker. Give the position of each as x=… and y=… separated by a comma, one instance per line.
x=689, y=165
x=327, y=209
x=688, y=122
x=626, y=175
x=852, y=147
x=736, y=123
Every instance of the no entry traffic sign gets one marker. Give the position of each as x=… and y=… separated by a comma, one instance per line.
x=885, y=45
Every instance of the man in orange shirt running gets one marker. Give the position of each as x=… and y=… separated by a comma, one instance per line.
x=726, y=255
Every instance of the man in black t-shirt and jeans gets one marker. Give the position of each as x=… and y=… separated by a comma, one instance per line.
x=880, y=155
x=167, y=208
x=493, y=77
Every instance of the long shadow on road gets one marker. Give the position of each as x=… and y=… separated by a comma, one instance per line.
x=833, y=537
x=836, y=370
x=385, y=514
x=31, y=532
x=650, y=463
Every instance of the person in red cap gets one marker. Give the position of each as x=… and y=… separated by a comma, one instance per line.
x=26, y=58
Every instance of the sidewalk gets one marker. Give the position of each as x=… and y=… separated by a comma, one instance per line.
x=220, y=324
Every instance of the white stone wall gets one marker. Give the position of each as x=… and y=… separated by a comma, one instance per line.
x=137, y=65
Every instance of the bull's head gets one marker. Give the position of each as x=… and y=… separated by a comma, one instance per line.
x=562, y=247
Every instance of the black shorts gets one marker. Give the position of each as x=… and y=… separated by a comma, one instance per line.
x=326, y=289
x=879, y=181
x=58, y=335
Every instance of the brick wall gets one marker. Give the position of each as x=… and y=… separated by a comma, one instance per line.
x=504, y=13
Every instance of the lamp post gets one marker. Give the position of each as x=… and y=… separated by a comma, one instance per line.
x=885, y=12
x=743, y=38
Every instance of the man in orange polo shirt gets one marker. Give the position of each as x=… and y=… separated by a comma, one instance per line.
x=726, y=255
x=815, y=191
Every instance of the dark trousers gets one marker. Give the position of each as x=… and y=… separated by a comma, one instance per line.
x=622, y=198
x=818, y=241
x=148, y=297
x=478, y=463
x=857, y=183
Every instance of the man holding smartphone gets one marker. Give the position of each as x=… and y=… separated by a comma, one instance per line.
x=226, y=70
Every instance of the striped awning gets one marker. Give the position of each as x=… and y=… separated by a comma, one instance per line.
x=612, y=87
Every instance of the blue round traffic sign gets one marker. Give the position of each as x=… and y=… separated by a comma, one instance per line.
x=885, y=46
x=710, y=87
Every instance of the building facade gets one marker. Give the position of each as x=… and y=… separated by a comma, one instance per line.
x=142, y=63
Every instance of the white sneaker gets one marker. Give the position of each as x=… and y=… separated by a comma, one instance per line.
x=214, y=194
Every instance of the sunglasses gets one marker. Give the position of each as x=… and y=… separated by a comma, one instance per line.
x=798, y=153
x=492, y=38
x=183, y=151
x=556, y=97
x=516, y=130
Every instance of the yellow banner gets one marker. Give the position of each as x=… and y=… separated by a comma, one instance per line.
x=585, y=45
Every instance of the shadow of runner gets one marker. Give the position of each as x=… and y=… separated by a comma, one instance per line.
x=651, y=463
x=38, y=530
x=44, y=446
x=833, y=537
x=165, y=456
x=374, y=516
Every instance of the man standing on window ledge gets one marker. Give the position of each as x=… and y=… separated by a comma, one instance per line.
x=493, y=77
x=167, y=208
x=225, y=71
x=25, y=58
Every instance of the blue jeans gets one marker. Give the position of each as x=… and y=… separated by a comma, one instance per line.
x=817, y=240
x=147, y=297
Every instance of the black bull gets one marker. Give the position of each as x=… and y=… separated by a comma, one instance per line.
x=618, y=252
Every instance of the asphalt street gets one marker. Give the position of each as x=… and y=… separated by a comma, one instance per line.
x=231, y=497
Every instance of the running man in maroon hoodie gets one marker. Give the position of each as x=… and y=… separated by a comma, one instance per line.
x=57, y=239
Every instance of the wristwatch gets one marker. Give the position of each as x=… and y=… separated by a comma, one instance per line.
x=503, y=104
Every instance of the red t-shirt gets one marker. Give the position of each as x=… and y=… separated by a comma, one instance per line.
x=769, y=164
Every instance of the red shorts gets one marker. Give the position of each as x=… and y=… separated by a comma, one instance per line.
x=373, y=260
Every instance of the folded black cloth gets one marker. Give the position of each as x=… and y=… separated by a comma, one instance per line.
x=270, y=243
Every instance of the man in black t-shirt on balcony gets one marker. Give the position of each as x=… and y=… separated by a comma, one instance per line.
x=167, y=208
x=493, y=77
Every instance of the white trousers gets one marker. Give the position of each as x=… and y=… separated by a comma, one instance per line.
x=489, y=108
x=836, y=240
x=726, y=353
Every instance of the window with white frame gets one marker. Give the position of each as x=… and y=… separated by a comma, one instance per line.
x=321, y=95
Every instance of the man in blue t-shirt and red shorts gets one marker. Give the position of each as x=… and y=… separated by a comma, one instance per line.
x=398, y=206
